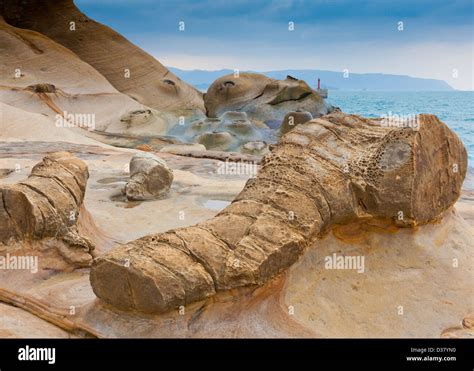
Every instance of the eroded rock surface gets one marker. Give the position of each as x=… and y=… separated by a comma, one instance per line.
x=132, y=96
x=406, y=282
x=263, y=99
x=128, y=68
x=40, y=76
x=329, y=171
x=228, y=132
x=216, y=140
x=255, y=148
x=47, y=205
x=179, y=148
x=150, y=177
x=292, y=119
x=28, y=58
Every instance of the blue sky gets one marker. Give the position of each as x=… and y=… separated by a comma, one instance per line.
x=358, y=35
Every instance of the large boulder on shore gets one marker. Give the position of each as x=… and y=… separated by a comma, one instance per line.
x=150, y=177
x=265, y=100
x=329, y=172
x=47, y=206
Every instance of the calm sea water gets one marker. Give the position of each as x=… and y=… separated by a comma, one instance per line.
x=456, y=109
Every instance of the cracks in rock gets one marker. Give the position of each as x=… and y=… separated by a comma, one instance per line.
x=275, y=102
x=48, y=314
x=229, y=246
x=40, y=192
x=196, y=315
x=178, y=275
x=198, y=260
x=64, y=186
x=10, y=217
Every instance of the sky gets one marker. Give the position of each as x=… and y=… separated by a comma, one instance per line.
x=419, y=38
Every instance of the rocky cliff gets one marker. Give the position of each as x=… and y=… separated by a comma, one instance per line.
x=128, y=68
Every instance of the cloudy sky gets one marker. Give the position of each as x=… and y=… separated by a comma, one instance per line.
x=421, y=38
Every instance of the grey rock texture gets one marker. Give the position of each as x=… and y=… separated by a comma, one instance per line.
x=150, y=177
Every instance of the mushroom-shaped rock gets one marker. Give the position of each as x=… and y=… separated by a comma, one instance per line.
x=238, y=124
x=292, y=119
x=216, y=140
x=150, y=177
x=263, y=99
x=202, y=126
x=230, y=93
x=330, y=171
x=228, y=132
x=257, y=148
x=233, y=116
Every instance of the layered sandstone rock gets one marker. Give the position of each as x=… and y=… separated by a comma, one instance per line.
x=38, y=75
x=262, y=98
x=47, y=205
x=411, y=267
x=128, y=68
x=330, y=171
x=398, y=274
x=37, y=34
x=292, y=119
x=32, y=59
x=150, y=177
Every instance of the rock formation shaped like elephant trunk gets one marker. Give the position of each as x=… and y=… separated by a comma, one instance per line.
x=47, y=204
x=333, y=170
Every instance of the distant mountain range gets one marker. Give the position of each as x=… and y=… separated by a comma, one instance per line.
x=201, y=79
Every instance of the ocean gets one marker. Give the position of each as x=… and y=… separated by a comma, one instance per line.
x=455, y=108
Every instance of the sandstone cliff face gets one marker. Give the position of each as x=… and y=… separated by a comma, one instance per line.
x=47, y=204
x=330, y=171
x=149, y=82
x=30, y=58
x=39, y=75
